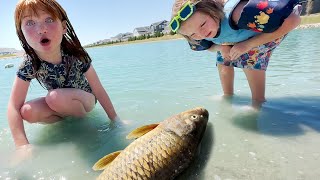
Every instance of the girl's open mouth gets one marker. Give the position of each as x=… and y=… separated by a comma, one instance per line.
x=45, y=41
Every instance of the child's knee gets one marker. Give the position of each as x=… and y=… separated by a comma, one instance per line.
x=27, y=114
x=52, y=99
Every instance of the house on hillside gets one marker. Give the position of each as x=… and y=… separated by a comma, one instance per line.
x=104, y=41
x=310, y=7
x=126, y=36
x=116, y=38
x=8, y=51
x=140, y=31
x=158, y=26
x=122, y=37
x=167, y=30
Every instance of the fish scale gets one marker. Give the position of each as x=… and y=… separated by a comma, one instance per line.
x=128, y=170
x=160, y=153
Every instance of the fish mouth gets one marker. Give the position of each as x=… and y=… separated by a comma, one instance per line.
x=45, y=41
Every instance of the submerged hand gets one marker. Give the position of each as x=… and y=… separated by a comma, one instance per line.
x=21, y=154
x=120, y=121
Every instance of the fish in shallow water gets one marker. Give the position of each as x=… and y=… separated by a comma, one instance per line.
x=162, y=151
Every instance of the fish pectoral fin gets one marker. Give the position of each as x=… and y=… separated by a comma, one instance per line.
x=105, y=161
x=141, y=131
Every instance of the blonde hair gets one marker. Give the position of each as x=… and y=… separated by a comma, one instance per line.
x=178, y=5
x=213, y=8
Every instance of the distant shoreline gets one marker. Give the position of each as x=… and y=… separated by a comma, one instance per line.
x=176, y=37
x=11, y=57
x=306, y=26
x=163, y=38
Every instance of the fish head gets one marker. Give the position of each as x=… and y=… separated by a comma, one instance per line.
x=192, y=122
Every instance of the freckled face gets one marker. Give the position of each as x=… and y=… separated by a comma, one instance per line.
x=43, y=33
x=199, y=26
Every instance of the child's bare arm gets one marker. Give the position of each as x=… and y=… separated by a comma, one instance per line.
x=224, y=49
x=242, y=47
x=100, y=93
x=17, y=98
x=214, y=48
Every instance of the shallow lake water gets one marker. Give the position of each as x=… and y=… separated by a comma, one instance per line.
x=151, y=81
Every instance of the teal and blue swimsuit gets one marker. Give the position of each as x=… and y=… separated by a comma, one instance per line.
x=253, y=13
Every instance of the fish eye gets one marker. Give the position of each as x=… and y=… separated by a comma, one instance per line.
x=193, y=117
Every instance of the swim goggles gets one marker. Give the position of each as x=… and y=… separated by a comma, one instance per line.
x=183, y=14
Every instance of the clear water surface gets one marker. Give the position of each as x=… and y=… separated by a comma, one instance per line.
x=152, y=81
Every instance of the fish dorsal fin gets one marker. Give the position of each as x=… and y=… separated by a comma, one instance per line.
x=141, y=131
x=105, y=161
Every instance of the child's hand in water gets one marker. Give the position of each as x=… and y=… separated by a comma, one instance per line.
x=225, y=52
x=21, y=154
x=120, y=121
x=238, y=49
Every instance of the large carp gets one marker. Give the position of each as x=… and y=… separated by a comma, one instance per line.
x=162, y=151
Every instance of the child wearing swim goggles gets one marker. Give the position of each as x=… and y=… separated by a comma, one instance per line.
x=244, y=33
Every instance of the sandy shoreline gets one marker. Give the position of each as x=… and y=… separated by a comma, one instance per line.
x=176, y=37
x=165, y=38
x=305, y=26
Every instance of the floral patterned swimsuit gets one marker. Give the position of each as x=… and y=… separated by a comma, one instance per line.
x=258, y=16
x=53, y=76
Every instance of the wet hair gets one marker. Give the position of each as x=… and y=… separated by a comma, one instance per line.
x=214, y=8
x=70, y=44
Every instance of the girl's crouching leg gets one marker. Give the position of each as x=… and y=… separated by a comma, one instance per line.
x=68, y=101
x=27, y=114
x=37, y=111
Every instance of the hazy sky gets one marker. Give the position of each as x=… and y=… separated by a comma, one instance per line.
x=93, y=20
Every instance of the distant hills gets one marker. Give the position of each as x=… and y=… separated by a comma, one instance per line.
x=10, y=52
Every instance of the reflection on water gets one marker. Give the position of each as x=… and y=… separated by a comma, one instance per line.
x=153, y=81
